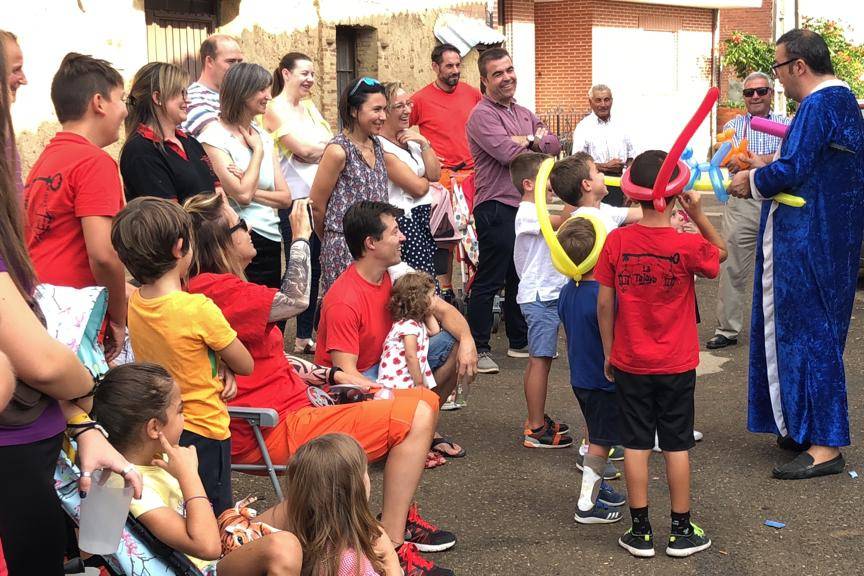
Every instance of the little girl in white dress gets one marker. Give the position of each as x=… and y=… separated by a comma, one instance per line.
x=405, y=362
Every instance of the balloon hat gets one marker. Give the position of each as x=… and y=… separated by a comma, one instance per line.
x=663, y=188
x=560, y=259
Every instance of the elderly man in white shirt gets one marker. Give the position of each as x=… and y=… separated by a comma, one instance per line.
x=605, y=140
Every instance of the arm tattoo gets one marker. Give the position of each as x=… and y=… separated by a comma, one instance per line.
x=293, y=295
x=309, y=372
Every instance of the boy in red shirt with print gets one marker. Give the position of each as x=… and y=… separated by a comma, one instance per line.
x=646, y=309
x=73, y=190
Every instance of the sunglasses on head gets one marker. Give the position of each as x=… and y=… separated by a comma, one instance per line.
x=364, y=80
x=241, y=225
x=748, y=92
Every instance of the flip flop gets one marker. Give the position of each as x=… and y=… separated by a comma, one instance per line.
x=437, y=442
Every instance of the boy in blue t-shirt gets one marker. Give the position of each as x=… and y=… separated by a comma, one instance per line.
x=577, y=307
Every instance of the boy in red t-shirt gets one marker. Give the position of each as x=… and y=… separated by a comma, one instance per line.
x=646, y=309
x=73, y=190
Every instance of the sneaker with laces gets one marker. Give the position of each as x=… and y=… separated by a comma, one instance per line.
x=683, y=545
x=560, y=427
x=616, y=453
x=609, y=473
x=639, y=545
x=424, y=535
x=599, y=514
x=545, y=437
x=607, y=495
x=518, y=352
x=413, y=564
x=485, y=364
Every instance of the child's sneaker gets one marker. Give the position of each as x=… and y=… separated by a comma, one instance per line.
x=607, y=495
x=639, y=545
x=425, y=535
x=683, y=545
x=450, y=404
x=609, y=473
x=599, y=514
x=545, y=437
x=413, y=564
x=616, y=453
x=560, y=427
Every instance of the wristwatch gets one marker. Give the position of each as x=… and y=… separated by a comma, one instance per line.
x=531, y=139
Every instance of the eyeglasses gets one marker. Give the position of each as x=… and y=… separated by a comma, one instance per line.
x=241, y=225
x=774, y=67
x=364, y=80
x=402, y=106
x=748, y=92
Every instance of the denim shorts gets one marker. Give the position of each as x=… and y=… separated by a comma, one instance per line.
x=543, y=321
x=440, y=346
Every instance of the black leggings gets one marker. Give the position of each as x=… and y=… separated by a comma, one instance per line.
x=32, y=523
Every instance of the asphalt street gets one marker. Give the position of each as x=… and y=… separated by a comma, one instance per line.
x=512, y=507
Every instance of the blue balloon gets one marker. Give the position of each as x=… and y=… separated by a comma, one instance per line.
x=695, y=172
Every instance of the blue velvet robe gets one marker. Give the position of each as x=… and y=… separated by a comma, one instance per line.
x=806, y=272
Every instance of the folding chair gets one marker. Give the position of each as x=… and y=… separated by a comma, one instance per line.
x=258, y=418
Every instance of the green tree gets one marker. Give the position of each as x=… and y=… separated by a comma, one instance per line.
x=746, y=53
x=848, y=59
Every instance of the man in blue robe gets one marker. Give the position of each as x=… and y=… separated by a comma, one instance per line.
x=807, y=263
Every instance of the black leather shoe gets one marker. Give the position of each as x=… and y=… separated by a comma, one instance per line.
x=787, y=443
x=720, y=341
x=802, y=468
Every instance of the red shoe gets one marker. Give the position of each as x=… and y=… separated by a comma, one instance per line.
x=413, y=564
x=425, y=535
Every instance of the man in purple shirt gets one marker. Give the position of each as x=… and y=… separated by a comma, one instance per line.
x=498, y=130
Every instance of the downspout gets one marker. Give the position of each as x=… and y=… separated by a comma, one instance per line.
x=715, y=67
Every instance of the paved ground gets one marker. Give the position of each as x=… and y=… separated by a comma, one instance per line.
x=512, y=508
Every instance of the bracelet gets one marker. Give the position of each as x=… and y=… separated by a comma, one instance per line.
x=186, y=502
x=331, y=377
x=86, y=427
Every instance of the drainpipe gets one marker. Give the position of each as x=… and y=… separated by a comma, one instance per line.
x=715, y=67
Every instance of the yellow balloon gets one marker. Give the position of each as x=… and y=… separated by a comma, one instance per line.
x=560, y=260
x=704, y=185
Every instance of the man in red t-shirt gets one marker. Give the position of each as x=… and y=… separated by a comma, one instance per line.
x=354, y=314
x=646, y=309
x=73, y=190
x=441, y=110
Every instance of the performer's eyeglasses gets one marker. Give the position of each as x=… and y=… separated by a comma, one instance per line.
x=774, y=67
x=241, y=225
x=748, y=92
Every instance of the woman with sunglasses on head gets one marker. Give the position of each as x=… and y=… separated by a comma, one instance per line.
x=243, y=159
x=301, y=135
x=399, y=429
x=158, y=158
x=352, y=169
x=51, y=395
x=411, y=166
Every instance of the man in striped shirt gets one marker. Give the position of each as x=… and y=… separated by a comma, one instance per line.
x=741, y=216
x=218, y=53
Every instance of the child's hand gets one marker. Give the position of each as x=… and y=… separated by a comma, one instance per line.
x=691, y=201
x=607, y=370
x=182, y=460
x=229, y=389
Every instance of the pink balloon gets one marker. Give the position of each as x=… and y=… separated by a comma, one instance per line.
x=768, y=126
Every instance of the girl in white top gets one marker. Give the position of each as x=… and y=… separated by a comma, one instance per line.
x=411, y=166
x=405, y=362
x=301, y=135
x=243, y=160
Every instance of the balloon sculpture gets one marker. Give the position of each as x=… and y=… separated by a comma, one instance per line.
x=560, y=259
x=711, y=168
x=728, y=135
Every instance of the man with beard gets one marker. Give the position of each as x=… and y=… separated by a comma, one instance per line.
x=498, y=130
x=604, y=140
x=807, y=262
x=440, y=112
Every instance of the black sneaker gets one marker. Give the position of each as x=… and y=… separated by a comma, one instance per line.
x=639, y=545
x=413, y=564
x=683, y=545
x=562, y=427
x=599, y=514
x=425, y=535
x=545, y=437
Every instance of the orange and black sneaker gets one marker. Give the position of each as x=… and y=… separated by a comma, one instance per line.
x=424, y=535
x=545, y=436
x=413, y=564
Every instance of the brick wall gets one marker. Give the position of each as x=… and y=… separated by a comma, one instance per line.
x=756, y=21
x=564, y=43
